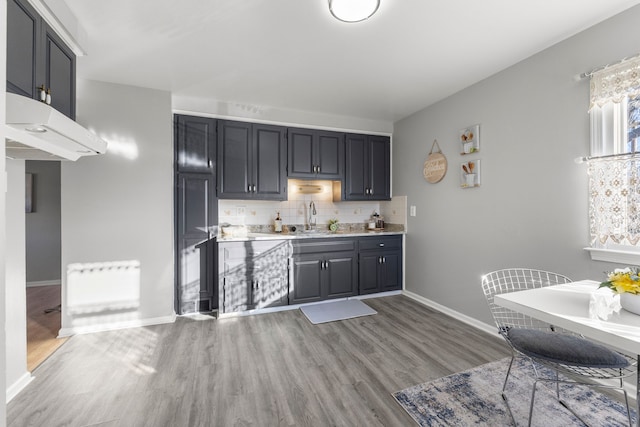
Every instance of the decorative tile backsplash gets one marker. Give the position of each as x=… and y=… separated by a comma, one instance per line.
x=296, y=209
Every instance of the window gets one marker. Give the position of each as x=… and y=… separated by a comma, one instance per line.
x=614, y=164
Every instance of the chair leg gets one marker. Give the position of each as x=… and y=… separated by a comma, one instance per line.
x=504, y=386
x=533, y=398
x=626, y=402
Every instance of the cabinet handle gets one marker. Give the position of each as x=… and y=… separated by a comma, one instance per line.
x=384, y=259
x=210, y=163
x=318, y=168
x=381, y=245
x=249, y=188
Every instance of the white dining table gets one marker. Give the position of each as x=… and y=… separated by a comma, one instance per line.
x=573, y=306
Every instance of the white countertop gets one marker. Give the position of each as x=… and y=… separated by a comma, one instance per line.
x=307, y=235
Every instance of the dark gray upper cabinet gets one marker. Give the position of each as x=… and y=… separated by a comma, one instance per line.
x=315, y=154
x=368, y=168
x=22, y=48
x=59, y=70
x=195, y=144
x=36, y=56
x=251, y=161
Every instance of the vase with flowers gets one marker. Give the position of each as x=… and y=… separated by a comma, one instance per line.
x=626, y=283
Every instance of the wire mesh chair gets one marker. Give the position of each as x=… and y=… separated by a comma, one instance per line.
x=581, y=360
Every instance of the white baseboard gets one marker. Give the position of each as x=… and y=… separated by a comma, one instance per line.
x=43, y=283
x=16, y=387
x=378, y=295
x=490, y=329
x=67, y=332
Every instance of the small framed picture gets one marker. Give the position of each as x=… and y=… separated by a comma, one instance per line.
x=470, y=174
x=28, y=181
x=470, y=139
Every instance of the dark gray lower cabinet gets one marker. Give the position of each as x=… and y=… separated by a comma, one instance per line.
x=253, y=274
x=380, y=264
x=323, y=269
x=268, y=273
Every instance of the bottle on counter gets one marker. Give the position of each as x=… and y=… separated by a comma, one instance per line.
x=278, y=224
x=373, y=221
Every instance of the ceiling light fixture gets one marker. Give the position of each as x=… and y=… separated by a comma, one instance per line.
x=353, y=10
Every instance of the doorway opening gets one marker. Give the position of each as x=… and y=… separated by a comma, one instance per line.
x=43, y=260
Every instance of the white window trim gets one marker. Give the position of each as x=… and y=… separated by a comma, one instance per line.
x=614, y=255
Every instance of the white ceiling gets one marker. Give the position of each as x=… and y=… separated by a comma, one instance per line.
x=292, y=54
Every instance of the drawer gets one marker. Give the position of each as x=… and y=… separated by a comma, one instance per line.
x=380, y=242
x=312, y=246
x=250, y=249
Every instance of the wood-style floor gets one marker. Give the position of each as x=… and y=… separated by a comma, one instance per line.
x=42, y=326
x=272, y=369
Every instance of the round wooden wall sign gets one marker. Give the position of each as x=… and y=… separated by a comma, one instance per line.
x=435, y=167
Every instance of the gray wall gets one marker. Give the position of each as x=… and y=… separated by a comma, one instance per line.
x=119, y=206
x=43, y=224
x=531, y=210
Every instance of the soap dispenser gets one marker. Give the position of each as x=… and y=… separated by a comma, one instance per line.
x=278, y=224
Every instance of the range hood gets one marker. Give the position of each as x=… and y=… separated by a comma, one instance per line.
x=36, y=131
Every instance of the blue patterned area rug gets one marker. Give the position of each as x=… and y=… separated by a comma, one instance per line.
x=473, y=398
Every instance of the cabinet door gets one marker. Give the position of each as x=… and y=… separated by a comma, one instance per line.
x=271, y=273
x=234, y=160
x=269, y=157
x=195, y=144
x=300, y=153
x=356, y=174
x=59, y=72
x=22, y=48
x=208, y=294
x=196, y=210
x=330, y=155
x=237, y=293
x=391, y=272
x=270, y=290
x=379, y=168
x=341, y=275
x=307, y=279
x=368, y=269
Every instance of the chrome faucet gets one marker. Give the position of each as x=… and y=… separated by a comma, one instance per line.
x=312, y=215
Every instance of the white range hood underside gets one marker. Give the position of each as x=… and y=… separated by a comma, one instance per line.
x=35, y=131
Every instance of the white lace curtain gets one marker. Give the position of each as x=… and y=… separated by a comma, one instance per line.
x=615, y=82
x=614, y=208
